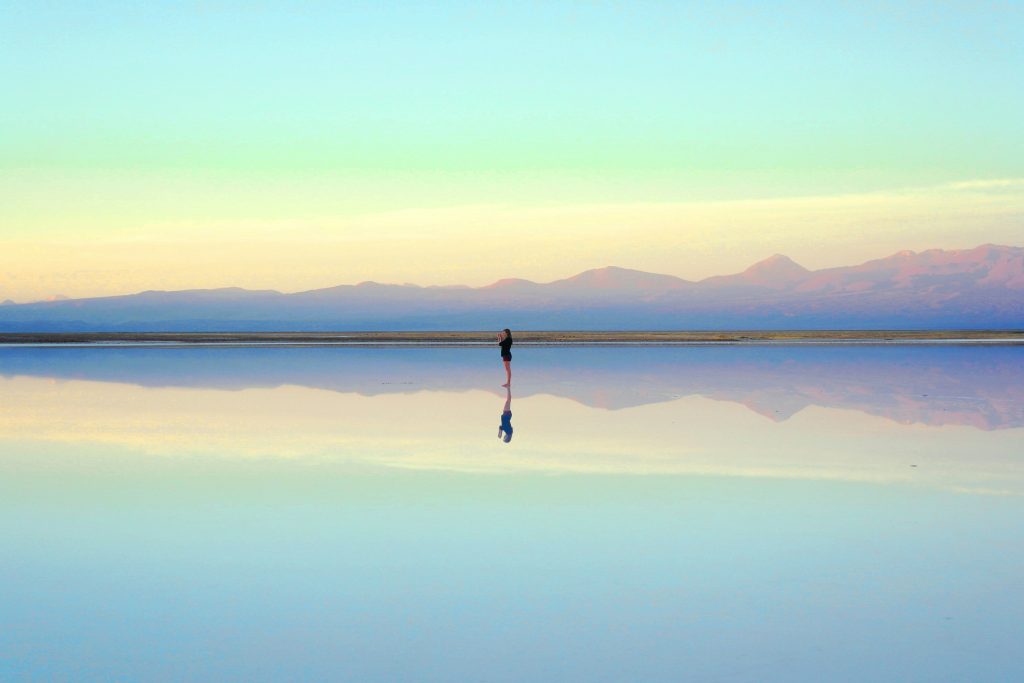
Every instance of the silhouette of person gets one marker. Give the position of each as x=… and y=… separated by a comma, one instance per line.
x=505, y=428
x=505, y=341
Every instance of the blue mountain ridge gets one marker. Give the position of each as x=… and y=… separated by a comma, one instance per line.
x=933, y=289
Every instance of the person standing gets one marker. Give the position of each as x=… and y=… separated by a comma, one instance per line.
x=505, y=341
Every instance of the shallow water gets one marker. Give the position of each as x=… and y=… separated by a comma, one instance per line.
x=775, y=513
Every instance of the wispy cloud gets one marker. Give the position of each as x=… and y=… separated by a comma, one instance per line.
x=986, y=184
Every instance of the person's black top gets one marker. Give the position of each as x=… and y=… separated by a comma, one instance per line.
x=506, y=348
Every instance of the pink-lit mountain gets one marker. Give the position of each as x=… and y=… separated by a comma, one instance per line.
x=974, y=288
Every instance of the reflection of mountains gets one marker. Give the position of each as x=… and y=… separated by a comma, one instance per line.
x=935, y=385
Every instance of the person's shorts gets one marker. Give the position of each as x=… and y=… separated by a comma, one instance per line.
x=506, y=356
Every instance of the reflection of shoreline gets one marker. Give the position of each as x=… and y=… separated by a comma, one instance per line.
x=978, y=387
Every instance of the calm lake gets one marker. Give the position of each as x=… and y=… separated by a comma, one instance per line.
x=777, y=513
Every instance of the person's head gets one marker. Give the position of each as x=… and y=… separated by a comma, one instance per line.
x=506, y=436
x=508, y=333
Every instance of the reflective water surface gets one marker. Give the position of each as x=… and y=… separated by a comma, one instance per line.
x=702, y=513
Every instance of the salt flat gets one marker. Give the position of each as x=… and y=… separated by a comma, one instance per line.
x=740, y=512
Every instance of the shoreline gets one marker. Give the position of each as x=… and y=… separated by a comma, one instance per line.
x=525, y=338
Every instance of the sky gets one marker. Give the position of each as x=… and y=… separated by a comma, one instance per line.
x=300, y=145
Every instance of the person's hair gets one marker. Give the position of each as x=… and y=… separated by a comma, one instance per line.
x=508, y=333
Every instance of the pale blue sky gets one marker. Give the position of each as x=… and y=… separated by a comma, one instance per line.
x=907, y=92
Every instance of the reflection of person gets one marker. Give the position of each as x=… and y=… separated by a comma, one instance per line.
x=505, y=428
x=505, y=340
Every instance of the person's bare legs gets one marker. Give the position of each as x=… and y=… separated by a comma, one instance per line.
x=508, y=373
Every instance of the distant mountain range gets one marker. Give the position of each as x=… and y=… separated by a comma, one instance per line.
x=972, y=288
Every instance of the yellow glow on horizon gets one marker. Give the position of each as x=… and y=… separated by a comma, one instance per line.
x=451, y=431
x=478, y=244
